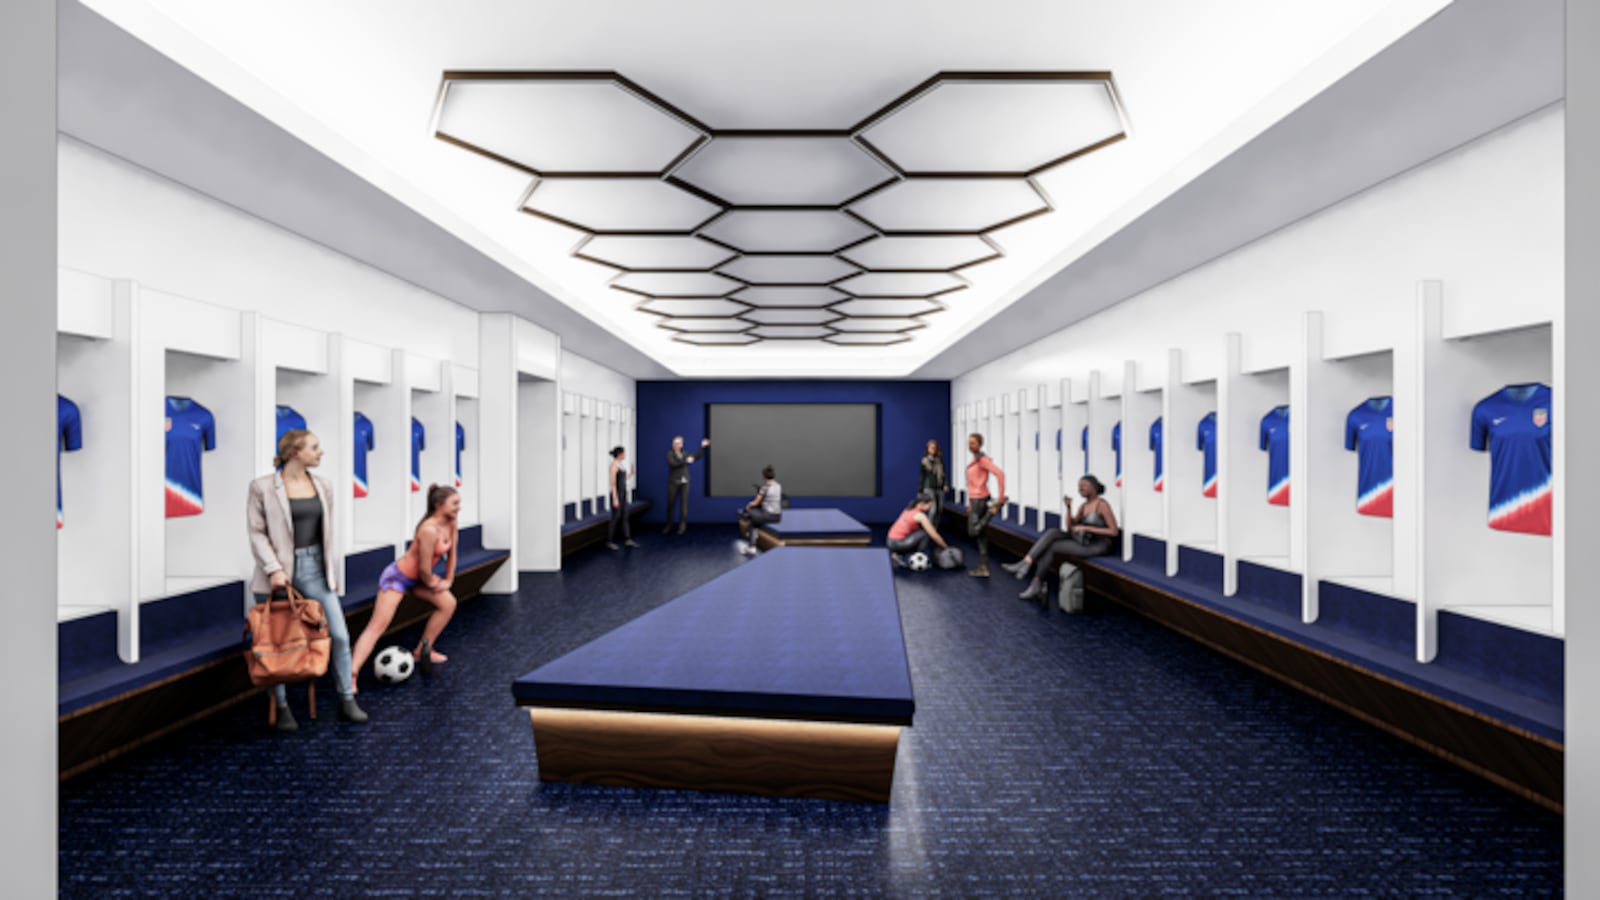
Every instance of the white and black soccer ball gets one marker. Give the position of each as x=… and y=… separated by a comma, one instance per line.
x=393, y=665
x=918, y=561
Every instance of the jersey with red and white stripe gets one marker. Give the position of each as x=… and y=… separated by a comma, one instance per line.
x=419, y=440
x=365, y=443
x=1206, y=441
x=69, y=437
x=1275, y=440
x=191, y=431
x=1116, y=445
x=1155, y=445
x=1369, y=430
x=1513, y=424
x=461, y=444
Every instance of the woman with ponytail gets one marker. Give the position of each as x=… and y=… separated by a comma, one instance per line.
x=435, y=539
x=290, y=522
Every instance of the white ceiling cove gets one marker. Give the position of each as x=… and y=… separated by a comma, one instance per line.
x=744, y=190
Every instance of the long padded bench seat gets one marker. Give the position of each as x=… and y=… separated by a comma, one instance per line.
x=1492, y=699
x=580, y=531
x=813, y=527
x=190, y=647
x=785, y=676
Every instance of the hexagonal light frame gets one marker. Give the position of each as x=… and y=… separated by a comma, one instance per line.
x=664, y=119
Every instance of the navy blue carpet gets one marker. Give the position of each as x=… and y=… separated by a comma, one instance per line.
x=1052, y=756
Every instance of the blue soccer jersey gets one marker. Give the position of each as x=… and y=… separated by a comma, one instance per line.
x=1206, y=441
x=1369, y=431
x=1116, y=446
x=1275, y=440
x=461, y=444
x=364, y=444
x=1083, y=439
x=1058, y=453
x=1513, y=424
x=1155, y=445
x=191, y=431
x=288, y=420
x=419, y=441
x=69, y=437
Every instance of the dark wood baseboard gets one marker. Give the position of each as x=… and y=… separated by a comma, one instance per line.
x=103, y=731
x=772, y=757
x=1516, y=759
x=766, y=540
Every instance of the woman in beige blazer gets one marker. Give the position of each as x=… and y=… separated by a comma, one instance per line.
x=290, y=516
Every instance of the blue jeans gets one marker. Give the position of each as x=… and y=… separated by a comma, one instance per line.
x=309, y=580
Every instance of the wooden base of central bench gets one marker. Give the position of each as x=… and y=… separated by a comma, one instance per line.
x=766, y=540
x=774, y=757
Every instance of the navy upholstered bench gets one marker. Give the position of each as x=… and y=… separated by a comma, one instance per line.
x=813, y=528
x=796, y=658
x=578, y=532
x=1491, y=701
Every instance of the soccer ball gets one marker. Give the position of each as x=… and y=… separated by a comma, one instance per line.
x=393, y=665
x=918, y=561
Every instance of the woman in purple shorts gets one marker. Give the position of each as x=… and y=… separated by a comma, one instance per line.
x=435, y=539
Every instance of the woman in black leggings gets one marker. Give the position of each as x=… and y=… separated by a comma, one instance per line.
x=619, y=500
x=1091, y=531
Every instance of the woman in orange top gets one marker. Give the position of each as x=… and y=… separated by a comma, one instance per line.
x=436, y=537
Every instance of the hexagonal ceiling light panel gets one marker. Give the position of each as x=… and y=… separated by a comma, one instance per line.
x=563, y=122
x=806, y=236
x=990, y=123
x=968, y=206
x=787, y=231
x=782, y=170
x=633, y=253
x=619, y=206
x=808, y=269
x=932, y=253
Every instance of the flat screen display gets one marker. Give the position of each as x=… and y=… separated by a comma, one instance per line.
x=818, y=449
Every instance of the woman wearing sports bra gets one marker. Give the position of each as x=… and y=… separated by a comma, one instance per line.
x=436, y=538
x=1090, y=531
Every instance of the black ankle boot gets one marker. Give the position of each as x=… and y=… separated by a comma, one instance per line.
x=286, y=720
x=350, y=712
x=1035, y=588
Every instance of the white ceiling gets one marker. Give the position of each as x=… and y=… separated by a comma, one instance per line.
x=358, y=81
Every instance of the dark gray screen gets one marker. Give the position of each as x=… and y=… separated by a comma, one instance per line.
x=819, y=449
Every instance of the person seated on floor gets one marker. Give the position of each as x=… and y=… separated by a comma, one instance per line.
x=914, y=530
x=1091, y=531
x=767, y=507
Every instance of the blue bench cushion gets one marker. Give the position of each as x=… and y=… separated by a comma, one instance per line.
x=1536, y=711
x=601, y=518
x=816, y=523
x=800, y=632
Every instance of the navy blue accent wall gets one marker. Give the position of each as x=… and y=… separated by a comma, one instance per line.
x=910, y=413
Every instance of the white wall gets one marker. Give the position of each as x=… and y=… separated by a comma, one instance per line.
x=1486, y=219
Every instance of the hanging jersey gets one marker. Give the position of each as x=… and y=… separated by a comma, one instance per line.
x=69, y=437
x=1155, y=445
x=461, y=444
x=1116, y=445
x=1369, y=431
x=191, y=431
x=1084, y=440
x=1206, y=441
x=364, y=445
x=418, y=442
x=288, y=420
x=1058, y=453
x=1513, y=424
x=1275, y=440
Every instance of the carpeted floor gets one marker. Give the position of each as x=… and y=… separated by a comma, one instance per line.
x=1052, y=756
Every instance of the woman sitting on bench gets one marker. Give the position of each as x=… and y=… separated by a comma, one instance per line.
x=1091, y=531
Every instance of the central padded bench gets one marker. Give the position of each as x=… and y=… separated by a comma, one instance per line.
x=813, y=528
x=786, y=676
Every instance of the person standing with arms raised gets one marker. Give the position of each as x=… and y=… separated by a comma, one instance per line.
x=979, y=508
x=678, y=481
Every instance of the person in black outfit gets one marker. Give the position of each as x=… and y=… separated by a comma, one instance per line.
x=678, y=481
x=619, y=500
